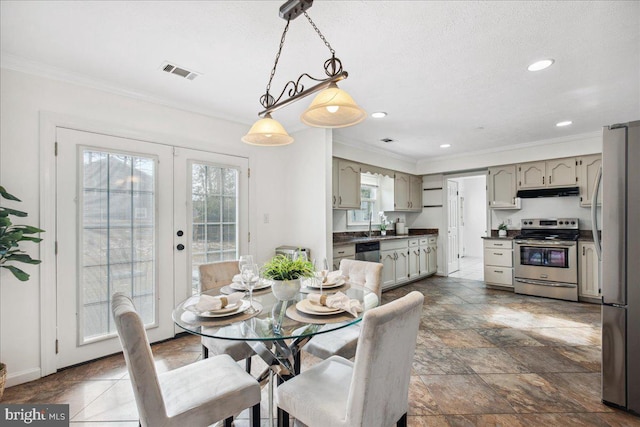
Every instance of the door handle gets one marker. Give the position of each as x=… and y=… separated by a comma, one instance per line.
x=180, y=247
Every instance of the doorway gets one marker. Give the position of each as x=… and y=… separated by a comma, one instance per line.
x=136, y=217
x=467, y=212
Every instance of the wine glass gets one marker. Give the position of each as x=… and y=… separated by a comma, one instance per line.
x=250, y=275
x=322, y=272
x=245, y=260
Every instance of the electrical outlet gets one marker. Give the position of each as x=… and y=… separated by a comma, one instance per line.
x=266, y=218
x=508, y=221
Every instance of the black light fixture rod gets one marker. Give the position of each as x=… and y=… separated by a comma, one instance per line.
x=322, y=85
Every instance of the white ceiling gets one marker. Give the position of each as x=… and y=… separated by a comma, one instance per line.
x=445, y=71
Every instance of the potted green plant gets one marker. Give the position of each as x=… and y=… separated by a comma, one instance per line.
x=10, y=238
x=286, y=272
x=383, y=223
x=502, y=229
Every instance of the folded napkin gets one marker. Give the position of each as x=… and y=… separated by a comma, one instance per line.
x=338, y=300
x=209, y=303
x=237, y=278
x=333, y=277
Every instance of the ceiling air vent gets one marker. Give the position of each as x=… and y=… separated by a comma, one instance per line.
x=387, y=140
x=179, y=71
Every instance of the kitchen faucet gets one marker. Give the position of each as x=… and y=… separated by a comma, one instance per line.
x=370, y=216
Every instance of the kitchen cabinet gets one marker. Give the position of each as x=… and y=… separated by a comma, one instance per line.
x=407, y=192
x=502, y=187
x=429, y=256
x=498, y=262
x=414, y=258
x=588, y=271
x=547, y=174
x=394, y=256
x=587, y=170
x=342, y=252
x=346, y=184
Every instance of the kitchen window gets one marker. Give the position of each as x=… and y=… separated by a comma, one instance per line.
x=370, y=203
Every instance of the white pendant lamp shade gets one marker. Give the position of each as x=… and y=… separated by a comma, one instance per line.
x=333, y=108
x=267, y=132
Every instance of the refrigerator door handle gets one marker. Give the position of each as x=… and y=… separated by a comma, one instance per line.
x=594, y=213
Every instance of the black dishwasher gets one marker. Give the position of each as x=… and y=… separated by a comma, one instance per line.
x=369, y=251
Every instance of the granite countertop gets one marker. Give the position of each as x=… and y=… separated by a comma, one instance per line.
x=346, y=238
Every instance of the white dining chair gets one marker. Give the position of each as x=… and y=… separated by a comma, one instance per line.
x=198, y=394
x=373, y=390
x=343, y=341
x=215, y=276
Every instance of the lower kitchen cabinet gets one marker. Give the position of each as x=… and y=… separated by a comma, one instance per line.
x=405, y=260
x=589, y=271
x=498, y=262
x=394, y=256
x=342, y=252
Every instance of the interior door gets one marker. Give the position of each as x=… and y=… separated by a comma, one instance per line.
x=453, y=250
x=112, y=199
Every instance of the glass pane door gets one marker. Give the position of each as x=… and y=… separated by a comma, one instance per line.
x=214, y=216
x=117, y=245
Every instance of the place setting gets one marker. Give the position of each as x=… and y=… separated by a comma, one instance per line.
x=325, y=308
x=220, y=309
x=324, y=280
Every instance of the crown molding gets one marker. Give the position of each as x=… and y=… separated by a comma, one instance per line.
x=27, y=66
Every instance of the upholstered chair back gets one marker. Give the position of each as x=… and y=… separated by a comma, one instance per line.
x=217, y=274
x=364, y=273
x=382, y=365
x=137, y=353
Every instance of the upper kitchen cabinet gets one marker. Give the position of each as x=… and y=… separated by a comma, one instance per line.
x=407, y=190
x=502, y=187
x=546, y=174
x=346, y=184
x=587, y=170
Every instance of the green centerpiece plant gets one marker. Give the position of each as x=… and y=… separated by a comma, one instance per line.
x=286, y=272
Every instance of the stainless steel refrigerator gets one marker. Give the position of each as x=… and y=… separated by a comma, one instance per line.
x=620, y=256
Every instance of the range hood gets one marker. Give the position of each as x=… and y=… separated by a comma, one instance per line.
x=549, y=192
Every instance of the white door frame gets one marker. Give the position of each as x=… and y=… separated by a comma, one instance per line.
x=49, y=121
x=445, y=204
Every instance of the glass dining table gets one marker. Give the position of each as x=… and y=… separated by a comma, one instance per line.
x=277, y=330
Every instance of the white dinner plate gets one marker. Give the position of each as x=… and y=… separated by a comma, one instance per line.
x=309, y=307
x=315, y=284
x=263, y=284
x=239, y=307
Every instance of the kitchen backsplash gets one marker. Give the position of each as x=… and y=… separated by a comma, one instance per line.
x=545, y=207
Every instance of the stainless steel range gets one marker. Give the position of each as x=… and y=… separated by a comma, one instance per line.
x=546, y=258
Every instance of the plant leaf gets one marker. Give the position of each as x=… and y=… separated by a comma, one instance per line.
x=22, y=258
x=20, y=275
x=8, y=196
x=32, y=239
x=8, y=211
x=28, y=229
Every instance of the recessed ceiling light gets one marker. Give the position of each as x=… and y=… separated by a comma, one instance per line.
x=445, y=145
x=378, y=114
x=565, y=123
x=540, y=65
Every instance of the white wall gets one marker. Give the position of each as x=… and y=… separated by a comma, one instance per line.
x=274, y=188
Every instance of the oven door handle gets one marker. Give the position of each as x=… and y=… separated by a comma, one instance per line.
x=545, y=243
x=551, y=284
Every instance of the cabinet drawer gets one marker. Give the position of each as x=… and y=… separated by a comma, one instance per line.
x=498, y=275
x=498, y=257
x=394, y=244
x=344, y=251
x=414, y=243
x=504, y=244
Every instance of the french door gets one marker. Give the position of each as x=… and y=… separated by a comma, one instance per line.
x=136, y=217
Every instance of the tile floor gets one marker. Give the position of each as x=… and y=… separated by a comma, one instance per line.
x=471, y=267
x=484, y=358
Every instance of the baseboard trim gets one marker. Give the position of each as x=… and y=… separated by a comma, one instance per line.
x=22, y=376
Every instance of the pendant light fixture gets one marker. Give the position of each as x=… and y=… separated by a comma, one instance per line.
x=331, y=108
